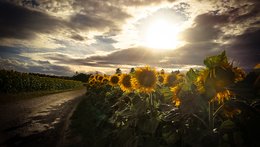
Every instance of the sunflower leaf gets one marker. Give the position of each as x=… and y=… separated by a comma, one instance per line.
x=213, y=61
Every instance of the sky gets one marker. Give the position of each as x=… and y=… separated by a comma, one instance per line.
x=61, y=37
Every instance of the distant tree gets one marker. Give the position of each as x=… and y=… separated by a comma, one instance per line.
x=176, y=72
x=118, y=71
x=81, y=77
x=132, y=70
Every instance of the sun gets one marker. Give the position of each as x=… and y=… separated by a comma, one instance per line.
x=161, y=34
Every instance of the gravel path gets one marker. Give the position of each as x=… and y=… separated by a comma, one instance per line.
x=39, y=121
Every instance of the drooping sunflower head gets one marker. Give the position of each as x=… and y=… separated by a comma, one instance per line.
x=145, y=79
x=113, y=80
x=125, y=82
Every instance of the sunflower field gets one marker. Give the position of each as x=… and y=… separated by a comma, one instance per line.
x=16, y=82
x=215, y=106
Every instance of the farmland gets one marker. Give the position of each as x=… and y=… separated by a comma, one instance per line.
x=16, y=82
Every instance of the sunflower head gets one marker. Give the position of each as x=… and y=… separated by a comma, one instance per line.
x=145, y=79
x=100, y=78
x=170, y=79
x=125, y=82
x=161, y=78
x=113, y=80
x=91, y=77
x=92, y=82
x=105, y=80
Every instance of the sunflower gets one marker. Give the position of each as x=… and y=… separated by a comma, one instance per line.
x=96, y=76
x=172, y=79
x=214, y=81
x=105, y=80
x=113, y=80
x=100, y=78
x=91, y=77
x=161, y=78
x=145, y=79
x=125, y=83
x=176, y=100
x=92, y=82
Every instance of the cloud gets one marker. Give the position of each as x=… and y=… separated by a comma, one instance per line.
x=6, y=51
x=22, y=23
x=143, y=56
x=244, y=48
x=89, y=33
x=77, y=37
x=81, y=21
x=206, y=28
x=105, y=39
x=28, y=65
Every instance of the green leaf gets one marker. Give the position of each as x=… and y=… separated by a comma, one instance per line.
x=217, y=60
x=171, y=137
x=191, y=75
x=148, y=125
x=227, y=125
x=166, y=93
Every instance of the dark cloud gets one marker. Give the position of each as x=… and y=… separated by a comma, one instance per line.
x=6, y=51
x=82, y=21
x=206, y=28
x=236, y=25
x=77, y=37
x=244, y=48
x=22, y=23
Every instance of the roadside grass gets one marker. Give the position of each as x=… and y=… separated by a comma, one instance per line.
x=8, y=98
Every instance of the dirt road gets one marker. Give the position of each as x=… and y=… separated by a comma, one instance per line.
x=39, y=121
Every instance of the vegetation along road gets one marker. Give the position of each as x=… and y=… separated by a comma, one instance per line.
x=39, y=121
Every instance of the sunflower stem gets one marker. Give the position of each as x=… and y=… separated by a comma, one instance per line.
x=216, y=112
x=150, y=104
x=211, y=117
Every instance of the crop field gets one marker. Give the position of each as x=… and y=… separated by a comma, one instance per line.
x=16, y=82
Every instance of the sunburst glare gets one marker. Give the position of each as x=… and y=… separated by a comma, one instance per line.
x=161, y=34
